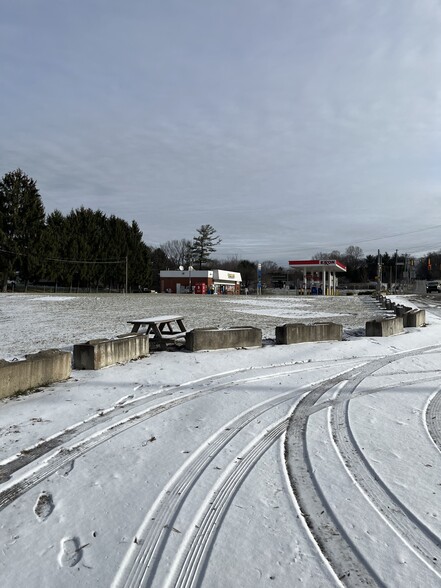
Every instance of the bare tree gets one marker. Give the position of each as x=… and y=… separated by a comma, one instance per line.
x=178, y=251
x=355, y=262
x=354, y=256
x=270, y=267
x=332, y=255
x=229, y=263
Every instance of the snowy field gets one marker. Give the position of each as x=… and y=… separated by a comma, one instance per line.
x=312, y=465
x=30, y=323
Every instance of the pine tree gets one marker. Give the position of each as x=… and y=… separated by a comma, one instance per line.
x=204, y=244
x=22, y=222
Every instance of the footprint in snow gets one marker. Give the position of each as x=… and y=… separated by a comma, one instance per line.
x=70, y=552
x=66, y=468
x=44, y=506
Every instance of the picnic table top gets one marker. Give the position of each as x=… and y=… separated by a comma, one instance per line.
x=157, y=319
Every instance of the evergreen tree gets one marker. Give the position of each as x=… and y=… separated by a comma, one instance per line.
x=139, y=258
x=22, y=222
x=158, y=263
x=55, y=247
x=371, y=263
x=248, y=272
x=83, y=243
x=204, y=244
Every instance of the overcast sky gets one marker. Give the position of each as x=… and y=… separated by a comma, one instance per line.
x=291, y=126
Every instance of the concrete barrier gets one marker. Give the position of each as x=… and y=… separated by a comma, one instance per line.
x=301, y=333
x=206, y=339
x=37, y=369
x=401, y=310
x=384, y=327
x=388, y=304
x=99, y=353
x=414, y=318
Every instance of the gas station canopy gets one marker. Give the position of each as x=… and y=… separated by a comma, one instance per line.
x=319, y=264
x=328, y=269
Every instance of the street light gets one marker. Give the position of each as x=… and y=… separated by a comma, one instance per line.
x=190, y=269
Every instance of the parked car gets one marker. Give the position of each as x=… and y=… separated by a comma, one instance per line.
x=433, y=286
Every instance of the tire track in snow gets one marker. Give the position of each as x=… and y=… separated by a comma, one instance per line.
x=412, y=530
x=189, y=566
x=66, y=455
x=29, y=454
x=433, y=419
x=141, y=562
x=348, y=563
x=139, y=567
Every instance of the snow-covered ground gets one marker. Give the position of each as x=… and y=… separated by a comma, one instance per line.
x=306, y=465
x=30, y=323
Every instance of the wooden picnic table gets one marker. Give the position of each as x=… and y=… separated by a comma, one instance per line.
x=160, y=329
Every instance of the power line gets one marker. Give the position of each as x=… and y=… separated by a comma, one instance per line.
x=85, y=261
x=395, y=235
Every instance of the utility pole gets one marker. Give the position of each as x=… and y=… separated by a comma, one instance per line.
x=127, y=274
x=379, y=272
x=396, y=269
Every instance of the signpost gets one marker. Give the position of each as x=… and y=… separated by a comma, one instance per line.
x=190, y=269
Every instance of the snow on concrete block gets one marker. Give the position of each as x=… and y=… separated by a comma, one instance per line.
x=37, y=369
x=291, y=333
x=233, y=337
x=401, y=310
x=414, y=318
x=99, y=353
x=384, y=327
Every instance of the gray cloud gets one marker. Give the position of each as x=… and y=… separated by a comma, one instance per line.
x=289, y=126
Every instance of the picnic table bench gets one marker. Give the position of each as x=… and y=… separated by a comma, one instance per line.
x=160, y=329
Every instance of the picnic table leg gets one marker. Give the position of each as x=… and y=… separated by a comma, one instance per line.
x=181, y=325
x=162, y=327
x=157, y=334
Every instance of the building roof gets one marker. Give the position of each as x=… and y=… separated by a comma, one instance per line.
x=319, y=264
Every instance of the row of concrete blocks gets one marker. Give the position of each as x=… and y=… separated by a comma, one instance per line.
x=405, y=316
x=47, y=367
x=102, y=352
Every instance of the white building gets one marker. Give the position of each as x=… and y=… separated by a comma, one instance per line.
x=200, y=281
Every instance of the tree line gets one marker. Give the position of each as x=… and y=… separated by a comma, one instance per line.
x=393, y=268
x=88, y=249
x=84, y=249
